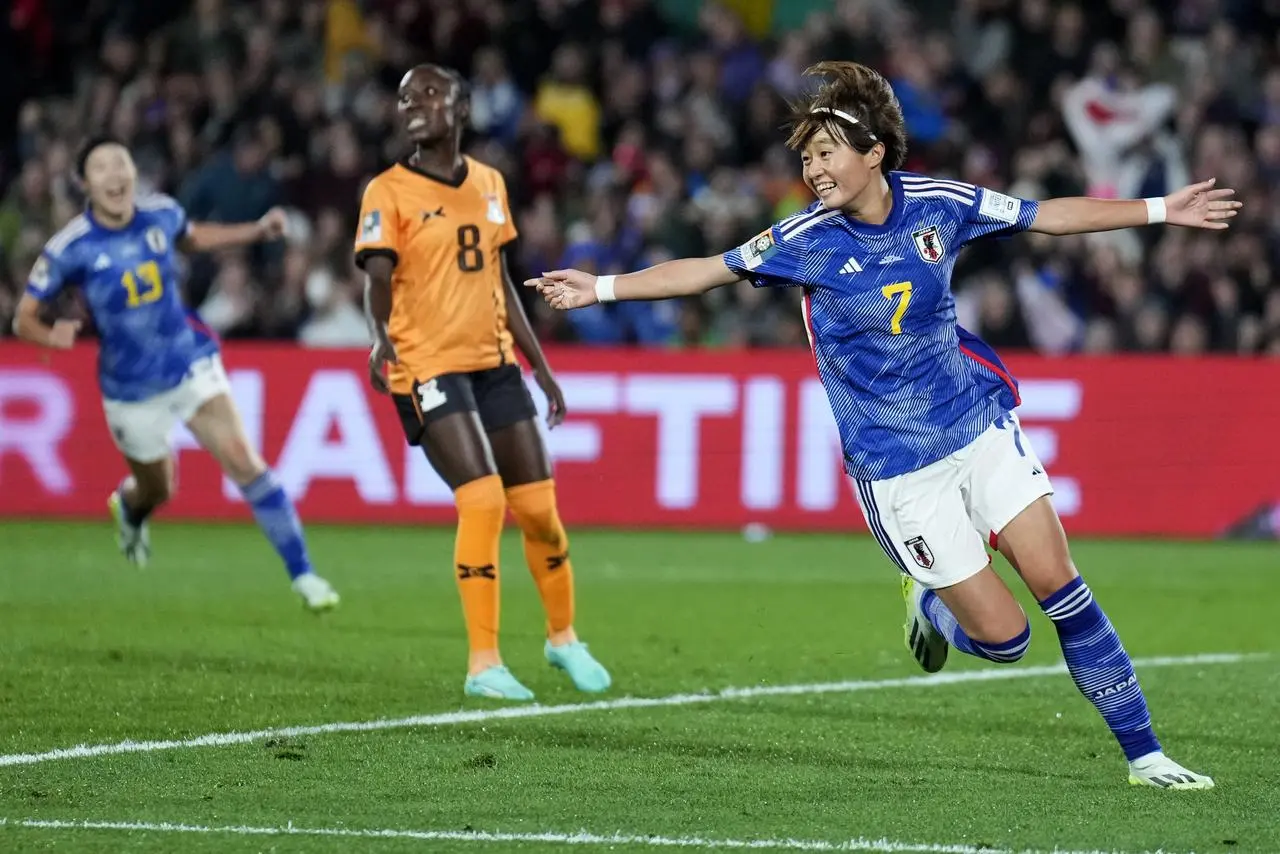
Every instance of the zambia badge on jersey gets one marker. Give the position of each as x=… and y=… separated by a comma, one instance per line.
x=759, y=249
x=156, y=241
x=496, y=213
x=920, y=552
x=929, y=244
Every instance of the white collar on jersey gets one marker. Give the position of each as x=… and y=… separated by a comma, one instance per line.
x=841, y=114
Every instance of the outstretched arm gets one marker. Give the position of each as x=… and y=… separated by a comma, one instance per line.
x=1194, y=206
x=211, y=236
x=567, y=289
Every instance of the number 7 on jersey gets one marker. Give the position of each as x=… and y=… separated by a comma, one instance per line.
x=902, y=290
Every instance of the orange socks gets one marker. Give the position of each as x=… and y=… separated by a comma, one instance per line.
x=481, y=508
x=546, y=548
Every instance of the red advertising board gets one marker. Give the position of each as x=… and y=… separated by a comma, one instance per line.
x=1143, y=446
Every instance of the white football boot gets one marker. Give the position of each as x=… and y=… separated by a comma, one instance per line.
x=317, y=594
x=921, y=638
x=1158, y=770
x=134, y=542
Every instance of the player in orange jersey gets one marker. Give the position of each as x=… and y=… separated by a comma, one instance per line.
x=432, y=241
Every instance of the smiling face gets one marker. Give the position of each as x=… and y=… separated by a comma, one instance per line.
x=836, y=173
x=110, y=179
x=431, y=105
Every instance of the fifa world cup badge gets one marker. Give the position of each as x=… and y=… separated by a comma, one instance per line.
x=758, y=249
x=371, y=227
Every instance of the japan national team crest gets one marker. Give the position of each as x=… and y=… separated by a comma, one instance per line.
x=920, y=552
x=496, y=213
x=156, y=241
x=928, y=244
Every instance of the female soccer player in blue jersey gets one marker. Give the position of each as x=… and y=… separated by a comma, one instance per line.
x=158, y=363
x=925, y=408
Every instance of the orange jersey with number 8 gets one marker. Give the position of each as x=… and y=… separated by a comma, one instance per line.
x=448, y=297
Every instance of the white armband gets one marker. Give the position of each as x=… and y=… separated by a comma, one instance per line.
x=1155, y=210
x=604, y=288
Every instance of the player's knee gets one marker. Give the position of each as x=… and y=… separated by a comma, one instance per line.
x=534, y=506
x=481, y=496
x=544, y=527
x=239, y=460
x=1014, y=648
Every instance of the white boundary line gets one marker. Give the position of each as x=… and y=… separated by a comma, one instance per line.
x=225, y=739
x=582, y=837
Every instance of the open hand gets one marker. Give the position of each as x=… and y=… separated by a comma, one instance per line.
x=383, y=353
x=1201, y=206
x=565, y=289
x=555, y=397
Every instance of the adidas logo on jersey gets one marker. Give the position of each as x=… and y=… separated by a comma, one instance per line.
x=103, y=262
x=851, y=266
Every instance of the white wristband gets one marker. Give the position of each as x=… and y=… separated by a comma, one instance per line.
x=604, y=288
x=1155, y=210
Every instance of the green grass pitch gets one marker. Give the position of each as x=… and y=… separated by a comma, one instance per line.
x=210, y=639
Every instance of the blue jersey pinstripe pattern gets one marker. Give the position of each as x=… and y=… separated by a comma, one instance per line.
x=909, y=393
x=129, y=277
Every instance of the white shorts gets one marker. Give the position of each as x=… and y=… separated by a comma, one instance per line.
x=141, y=428
x=935, y=523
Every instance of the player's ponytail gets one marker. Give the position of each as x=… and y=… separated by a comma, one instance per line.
x=855, y=104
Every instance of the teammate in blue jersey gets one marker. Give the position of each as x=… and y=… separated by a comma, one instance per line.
x=925, y=408
x=157, y=363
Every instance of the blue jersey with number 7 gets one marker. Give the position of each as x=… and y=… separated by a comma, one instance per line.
x=908, y=386
x=129, y=277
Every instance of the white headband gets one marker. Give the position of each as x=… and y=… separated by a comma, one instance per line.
x=841, y=114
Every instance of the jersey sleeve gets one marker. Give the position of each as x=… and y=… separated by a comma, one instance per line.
x=993, y=214
x=774, y=258
x=181, y=223
x=378, y=226
x=52, y=271
x=507, y=231
x=175, y=216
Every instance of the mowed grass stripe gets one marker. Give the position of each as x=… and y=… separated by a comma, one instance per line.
x=226, y=739
x=582, y=838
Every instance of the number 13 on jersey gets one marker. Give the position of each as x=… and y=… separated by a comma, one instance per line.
x=144, y=284
x=902, y=292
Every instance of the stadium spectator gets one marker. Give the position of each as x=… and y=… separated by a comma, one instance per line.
x=628, y=135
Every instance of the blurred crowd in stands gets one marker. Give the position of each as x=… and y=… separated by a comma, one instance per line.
x=628, y=138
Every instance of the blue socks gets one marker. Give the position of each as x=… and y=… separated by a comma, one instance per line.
x=279, y=521
x=941, y=618
x=1100, y=666
x=1095, y=658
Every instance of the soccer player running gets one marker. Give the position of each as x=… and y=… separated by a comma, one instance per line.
x=158, y=364
x=924, y=407
x=432, y=240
